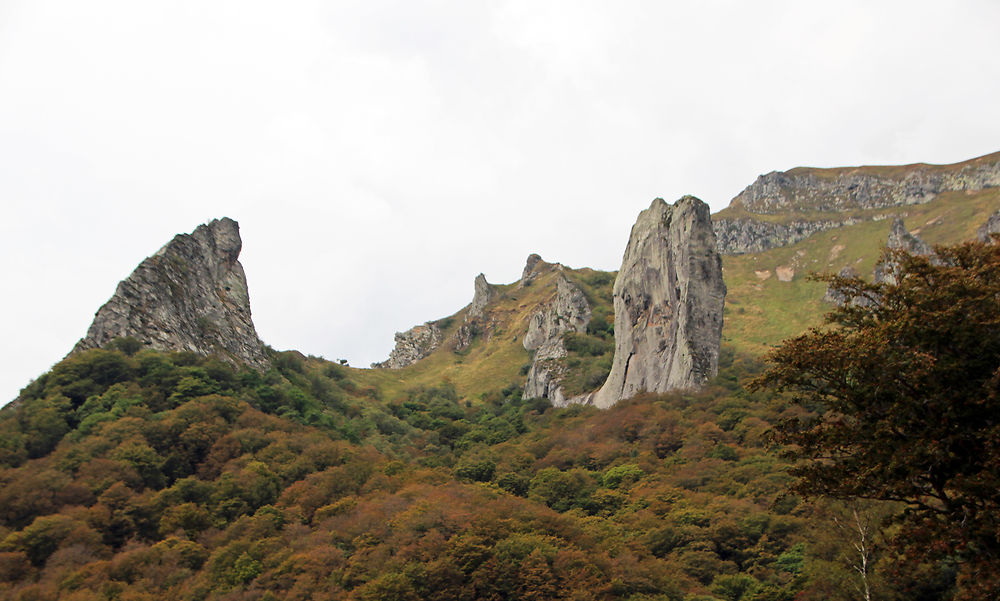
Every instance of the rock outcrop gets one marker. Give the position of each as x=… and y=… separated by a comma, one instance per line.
x=530, y=272
x=802, y=191
x=900, y=238
x=569, y=311
x=745, y=235
x=189, y=296
x=668, y=300
x=484, y=293
x=412, y=346
x=836, y=190
x=475, y=319
x=992, y=226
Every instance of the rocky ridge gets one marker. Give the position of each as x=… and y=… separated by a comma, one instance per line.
x=189, y=296
x=569, y=311
x=805, y=190
x=668, y=301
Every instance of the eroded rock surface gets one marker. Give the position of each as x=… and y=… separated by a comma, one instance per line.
x=189, y=296
x=569, y=311
x=802, y=191
x=992, y=226
x=668, y=300
x=412, y=346
x=476, y=320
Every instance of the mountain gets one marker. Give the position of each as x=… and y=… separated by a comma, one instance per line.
x=172, y=455
x=191, y=295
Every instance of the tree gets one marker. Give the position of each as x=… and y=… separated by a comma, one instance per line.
x=902, y=397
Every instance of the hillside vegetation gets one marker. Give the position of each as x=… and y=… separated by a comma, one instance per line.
x=130, y=474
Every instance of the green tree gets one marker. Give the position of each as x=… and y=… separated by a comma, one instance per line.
x=902, y=400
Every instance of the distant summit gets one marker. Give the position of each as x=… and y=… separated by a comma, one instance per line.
x=189, y=296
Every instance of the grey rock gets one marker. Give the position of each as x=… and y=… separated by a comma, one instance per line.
x=833, y=190
x=745, y=235
x=530, y=272
x=887, y=270
x=189, y=296
x=992, y=226
x=484, y=293
x=836, y=191
x=476, y=319
x=569, y=311
x=668, y=299
x=835, y=296
x=412, y=346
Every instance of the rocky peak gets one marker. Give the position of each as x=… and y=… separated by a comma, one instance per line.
x=189, y=296
x=530, y=273
x=668, y=300
x=569, y=311
x=484, y=293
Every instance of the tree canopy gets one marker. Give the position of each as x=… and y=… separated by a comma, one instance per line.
x=901, y=391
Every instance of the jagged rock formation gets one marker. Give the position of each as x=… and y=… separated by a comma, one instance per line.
x=668, y=300
x=412, y=346
x=835, y=190
x=740, y=236
x=475, y=319
x=992, y=226
x=899, y=239
x=530, y=273
x=190, y=296
x=483, y=295
x=806, y=190
x=569, y=311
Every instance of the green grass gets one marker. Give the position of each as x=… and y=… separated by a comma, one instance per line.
x=762, y=312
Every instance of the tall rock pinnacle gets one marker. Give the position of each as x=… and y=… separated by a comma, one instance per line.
x=668, y=300
x=191, y=295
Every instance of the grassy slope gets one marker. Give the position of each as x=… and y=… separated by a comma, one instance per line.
x=492, y=362
x=762, y=312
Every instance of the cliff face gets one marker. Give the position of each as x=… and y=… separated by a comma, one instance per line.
x=834, y=190
x=668, y=300
x=804, y=190
x=191, y=296
x=569, y=311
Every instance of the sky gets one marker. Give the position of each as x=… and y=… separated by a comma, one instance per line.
x=379, y=154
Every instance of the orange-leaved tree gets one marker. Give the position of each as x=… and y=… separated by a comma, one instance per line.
x=902, y=388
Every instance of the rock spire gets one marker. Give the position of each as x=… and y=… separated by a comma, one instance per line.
x=569, y=311
x=668, y=300
x=189, y=296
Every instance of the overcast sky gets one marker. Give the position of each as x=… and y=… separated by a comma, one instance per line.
x=378, y=155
